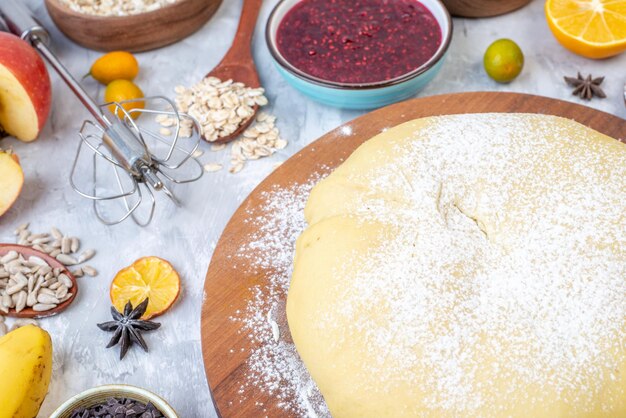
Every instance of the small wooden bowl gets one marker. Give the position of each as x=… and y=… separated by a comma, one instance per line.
x=483, y=8
x=52, y=262
x=134, y=33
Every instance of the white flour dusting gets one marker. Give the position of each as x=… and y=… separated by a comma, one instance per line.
x=275, y=367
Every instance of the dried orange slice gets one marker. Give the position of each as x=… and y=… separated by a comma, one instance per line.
x=591, y=28
x=148, y=277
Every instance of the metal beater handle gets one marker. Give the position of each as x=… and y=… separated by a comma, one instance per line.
x=125, y=148
x=20, y=22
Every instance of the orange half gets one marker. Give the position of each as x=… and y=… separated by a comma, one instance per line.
x=591, y=28
x=148, y=277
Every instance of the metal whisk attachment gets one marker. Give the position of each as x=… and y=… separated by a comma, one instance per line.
x=128, y=159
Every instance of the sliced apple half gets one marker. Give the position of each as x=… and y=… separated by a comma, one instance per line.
x=11, y=180
x=25, y=93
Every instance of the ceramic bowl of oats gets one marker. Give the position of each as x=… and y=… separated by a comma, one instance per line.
x=129, y=25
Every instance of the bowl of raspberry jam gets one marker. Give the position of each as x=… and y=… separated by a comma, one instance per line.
x=359, y=54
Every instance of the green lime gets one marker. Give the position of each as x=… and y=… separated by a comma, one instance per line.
x=503, y=60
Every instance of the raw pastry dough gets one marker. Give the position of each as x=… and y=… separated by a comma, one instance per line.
x=468, y=266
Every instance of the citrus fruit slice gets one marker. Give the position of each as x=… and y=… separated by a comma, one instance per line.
x=148, y=277
x=591, y=28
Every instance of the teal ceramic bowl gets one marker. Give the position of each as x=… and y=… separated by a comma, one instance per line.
x=360, y=96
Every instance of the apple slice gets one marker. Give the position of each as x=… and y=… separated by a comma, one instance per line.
x=11, y=180
x=25, y=93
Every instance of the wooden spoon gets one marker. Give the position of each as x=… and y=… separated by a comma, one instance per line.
x=238, y=63
x=52, y=262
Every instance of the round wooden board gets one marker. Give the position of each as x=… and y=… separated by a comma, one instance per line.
x=228, y=283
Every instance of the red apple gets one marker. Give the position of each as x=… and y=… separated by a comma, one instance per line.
x=25, y=93
x=11, y=180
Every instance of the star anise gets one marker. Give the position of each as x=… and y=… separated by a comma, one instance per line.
x=586, y=87
x=127, y=327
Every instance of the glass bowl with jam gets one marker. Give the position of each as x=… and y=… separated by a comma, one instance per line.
x=359, y=54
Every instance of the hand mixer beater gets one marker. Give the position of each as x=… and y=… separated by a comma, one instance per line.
x=134, y=158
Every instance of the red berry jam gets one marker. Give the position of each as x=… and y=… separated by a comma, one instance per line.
x=358, y=41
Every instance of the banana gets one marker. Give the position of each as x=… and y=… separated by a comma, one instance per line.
x=25, y=369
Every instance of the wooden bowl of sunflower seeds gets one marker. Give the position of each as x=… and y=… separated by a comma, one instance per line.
x=33, y=284
x=132, y=401
x=129, y=25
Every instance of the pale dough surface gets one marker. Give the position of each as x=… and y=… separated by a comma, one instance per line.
x=468, y=266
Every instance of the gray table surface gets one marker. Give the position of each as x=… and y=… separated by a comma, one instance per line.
x=186, y=236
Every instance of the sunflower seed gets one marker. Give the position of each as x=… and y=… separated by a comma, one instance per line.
x=90, y=271
x=61, y=292
x=86, y=255
x=66, y=245
x=10, y=256
x=75, y=244
x=37, y=261
x=21, y=228
x=65, y=281
x=34, y=237
x=52, y=280
x=42, y=307
x=20, y=304
x=23, y=237
x=66, y=259
x=66, y=297
x=42, y=240
x=6, y=300
x=14, y=289
x=58, y=235
x=31, y=300
x=47, y=299
x=20, y=279
x=45, y=291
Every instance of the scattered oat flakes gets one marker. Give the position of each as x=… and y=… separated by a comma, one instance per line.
x=220, y=107
x=217, y=147
x=260, y=140
x=212, y=167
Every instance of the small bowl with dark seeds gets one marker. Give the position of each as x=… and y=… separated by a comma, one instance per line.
x=115, y=400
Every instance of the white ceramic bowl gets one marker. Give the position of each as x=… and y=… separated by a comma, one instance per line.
x=98, y=394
